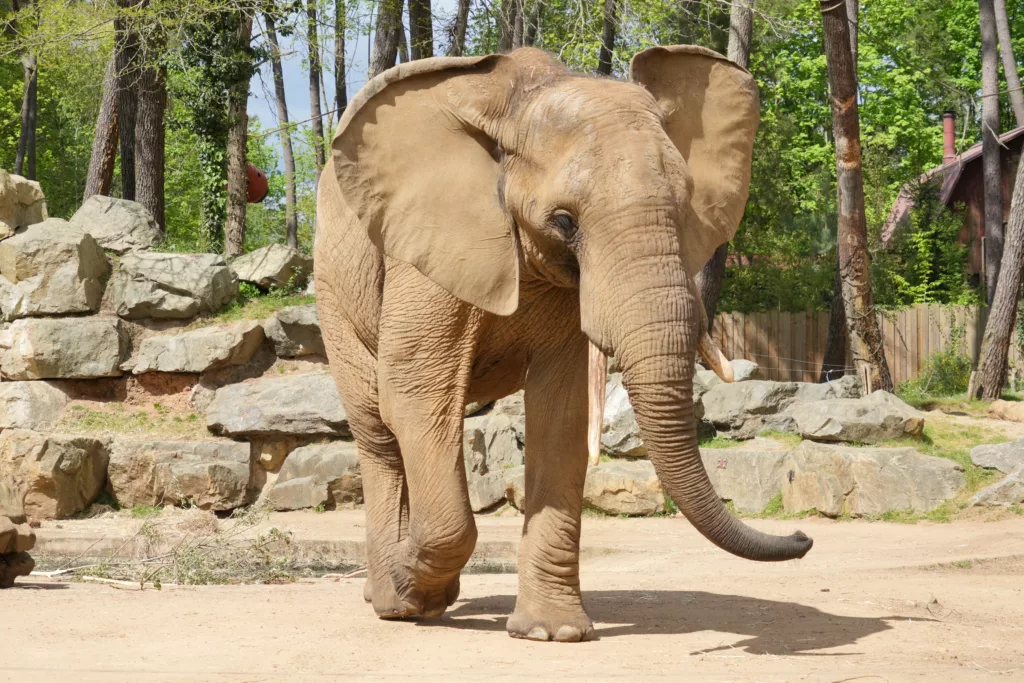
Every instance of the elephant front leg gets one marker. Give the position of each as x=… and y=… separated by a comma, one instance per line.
x=427, y=341
x=549, y=605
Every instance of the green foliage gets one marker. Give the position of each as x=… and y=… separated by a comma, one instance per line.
x=946, y=372
x=924, y=263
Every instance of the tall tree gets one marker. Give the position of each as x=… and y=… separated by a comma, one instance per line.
x=340, y=72
x=533, y=23
x=403, y=47
x=291, y=220
x=149, y=132
x=991, y=164
x=837, y=338
x=987, y=382
x=1009, y=63
x=421, y=30
x=459, y=31
x=741, y=26
x=387, y=33
x=126, y=48
x=509, y=12
x=315, y=74
x=604, y=59
x=25, y=157
x=861, y=321
x=237, y=160
x=104, y=146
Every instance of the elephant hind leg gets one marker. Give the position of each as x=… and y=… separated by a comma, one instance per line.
x=384, y=490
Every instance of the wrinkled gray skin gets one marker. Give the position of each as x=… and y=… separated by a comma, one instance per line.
x=408, y=354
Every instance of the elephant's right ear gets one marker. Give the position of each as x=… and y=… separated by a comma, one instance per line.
x=417, y=160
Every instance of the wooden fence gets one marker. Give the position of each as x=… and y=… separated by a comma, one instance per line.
x=790, y=346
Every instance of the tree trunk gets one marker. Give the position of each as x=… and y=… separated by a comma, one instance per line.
x=837, y=340
x=340, y=73
x=604, y=59
x=741, y=27
x=387, y=33
x=126, y=46
x=991, y=171
x=315, y=74
x=238, y=166
x=403, y=47
x=104, y=145
x=1009, y=63
x=25, y=160
x=421, y=29
x=988, y=381
x=517, y=27
x=865, y=335
x=833, y=365
x=459, y=34
x=507, y=23
x=149, y=139
x=709, y=281
x=533, y=24
x=291, y=221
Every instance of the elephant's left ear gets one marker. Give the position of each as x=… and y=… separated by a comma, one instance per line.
x=712, y=111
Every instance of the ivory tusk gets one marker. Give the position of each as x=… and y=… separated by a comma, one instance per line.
x=714, y=357
x=597, y=380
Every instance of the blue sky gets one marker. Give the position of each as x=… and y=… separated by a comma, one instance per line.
x=296, y=78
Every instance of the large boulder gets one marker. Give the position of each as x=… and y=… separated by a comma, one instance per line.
x=289, y=405
x=117, y=224
x=21, y=203
x=838, y=480
x=620, y=435
x=60, y=475
x=514, y=407
x=747, y=477
x=325, y=474
x=1006, y=410
x=1005, y=457
x=153, y=285
x=295, y=331
x=212, y=475
x=66, y=348
x=491, y=447
x=742, y=409
x=1005, y=492
x=624, y=488
x=872, y=419
x=206, y=348
x=30, y=405
x=515, y=487
x=273, y=266
x=52, y=268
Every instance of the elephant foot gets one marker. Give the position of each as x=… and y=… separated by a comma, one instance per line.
x=570, y=626
x=430, y=604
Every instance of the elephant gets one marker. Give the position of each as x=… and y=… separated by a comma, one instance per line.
x=496, y=223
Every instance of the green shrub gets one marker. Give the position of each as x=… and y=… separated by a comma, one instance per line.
x=947, y=372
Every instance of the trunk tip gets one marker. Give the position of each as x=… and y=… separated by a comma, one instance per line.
x=802, y=543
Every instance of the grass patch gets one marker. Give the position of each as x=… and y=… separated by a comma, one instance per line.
x=144, y=511
x=116, y=418
x=958, y=404
x=791, y=440
x=255, y=308
x=719, y=442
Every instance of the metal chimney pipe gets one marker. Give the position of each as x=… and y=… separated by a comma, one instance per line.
x=948, y=136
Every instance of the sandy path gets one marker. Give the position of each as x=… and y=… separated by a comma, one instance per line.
x=868, y=604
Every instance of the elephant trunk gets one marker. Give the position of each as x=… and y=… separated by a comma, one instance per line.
x=654, y=334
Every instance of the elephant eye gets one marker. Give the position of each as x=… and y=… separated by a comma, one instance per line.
x=565, y=224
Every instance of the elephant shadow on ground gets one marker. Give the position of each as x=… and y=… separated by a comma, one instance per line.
x=776, y=628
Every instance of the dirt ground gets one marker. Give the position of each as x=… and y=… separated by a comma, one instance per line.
x=871, y=602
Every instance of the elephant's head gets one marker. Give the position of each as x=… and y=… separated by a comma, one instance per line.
x=487, y=172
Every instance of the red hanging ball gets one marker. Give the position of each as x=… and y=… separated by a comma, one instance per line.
x=258, y=187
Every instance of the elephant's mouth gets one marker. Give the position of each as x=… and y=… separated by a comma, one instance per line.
x=597, y=379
